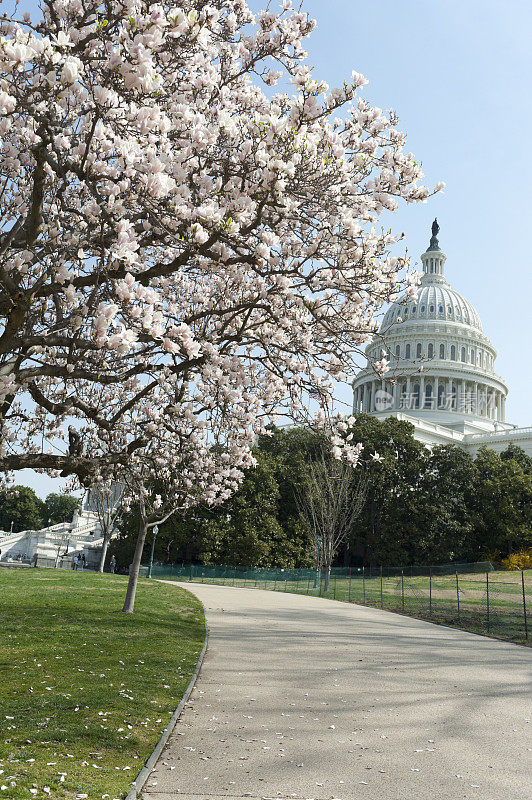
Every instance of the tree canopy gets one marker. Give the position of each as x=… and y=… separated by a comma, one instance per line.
x=183, y=252
x=59, y=508
x=22, y=508
x=422, y=507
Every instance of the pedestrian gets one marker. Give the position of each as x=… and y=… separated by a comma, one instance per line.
x=75, y=563
x=83, y=561
x=112, y=563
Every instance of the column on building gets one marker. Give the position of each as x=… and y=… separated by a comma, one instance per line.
x=449, y=395
x=492, y=404
x=436, y=391
x=503, y=408
x=422, y=391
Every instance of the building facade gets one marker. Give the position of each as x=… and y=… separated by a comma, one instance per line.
x=55, y=545
x=441, y=374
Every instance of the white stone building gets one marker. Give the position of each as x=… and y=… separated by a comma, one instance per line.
x=441, y=377
x=56, y=545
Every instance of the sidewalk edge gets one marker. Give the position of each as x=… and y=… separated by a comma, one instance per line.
x=142, y=777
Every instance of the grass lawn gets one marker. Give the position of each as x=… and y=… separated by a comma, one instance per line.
x=85, y=691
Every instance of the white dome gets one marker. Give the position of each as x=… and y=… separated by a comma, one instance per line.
x=437, y=301
x=440, y=364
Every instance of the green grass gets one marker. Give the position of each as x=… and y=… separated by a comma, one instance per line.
x=85, y=691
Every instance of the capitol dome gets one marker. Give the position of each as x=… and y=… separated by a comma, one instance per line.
x=441, y=364
x=434, y=301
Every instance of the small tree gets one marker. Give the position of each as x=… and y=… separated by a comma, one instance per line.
x=330, y=499
x=152, y=511
x=105, y=501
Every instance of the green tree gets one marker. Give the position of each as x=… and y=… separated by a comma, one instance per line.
x=443, y=507
x=517, y=454
x=384, y=532
x=501, y=500
x=247, y=529
x=257, y=526
x=422, y=507
x=22, y=508
x=59, y=508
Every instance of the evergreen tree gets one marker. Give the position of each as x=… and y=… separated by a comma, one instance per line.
x=21, y=508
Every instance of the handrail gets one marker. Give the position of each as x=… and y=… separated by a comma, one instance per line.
x=68, y=530
x=492, y=434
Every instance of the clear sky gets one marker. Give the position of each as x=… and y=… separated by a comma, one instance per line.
x=458, y=73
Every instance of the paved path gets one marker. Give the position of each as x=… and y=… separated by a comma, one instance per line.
x=301, y=697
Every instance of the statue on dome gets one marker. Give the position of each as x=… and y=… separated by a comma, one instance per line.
x=434, y=244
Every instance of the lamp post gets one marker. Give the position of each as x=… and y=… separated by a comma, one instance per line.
x=155, y=532
x=317, y=576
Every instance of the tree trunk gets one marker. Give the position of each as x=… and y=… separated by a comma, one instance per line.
x=103, y=554
x=129, y=603
x=327, y=577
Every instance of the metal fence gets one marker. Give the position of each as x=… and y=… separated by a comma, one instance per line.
x=468, y=596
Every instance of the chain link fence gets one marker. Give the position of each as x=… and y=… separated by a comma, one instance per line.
x=469, y=596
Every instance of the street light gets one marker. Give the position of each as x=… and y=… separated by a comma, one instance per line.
x=155, y=532
x=317, y=576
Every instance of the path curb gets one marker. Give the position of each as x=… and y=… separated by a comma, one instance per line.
x=144, y=774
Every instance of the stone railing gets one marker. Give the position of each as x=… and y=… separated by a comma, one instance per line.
x=512, y=432
x=52, y=532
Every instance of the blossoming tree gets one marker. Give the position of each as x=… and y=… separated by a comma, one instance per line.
x=183, y=251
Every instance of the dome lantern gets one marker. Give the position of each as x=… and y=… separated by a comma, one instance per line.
x=433, y=259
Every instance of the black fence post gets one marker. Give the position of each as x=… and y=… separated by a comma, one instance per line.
x=430, y=593
x=488, y=601
x=349, y=584
x=524, y=602
x=382, y=600
x=403, y=589
x=364, y=583
x=458, y=596
x=334, y=595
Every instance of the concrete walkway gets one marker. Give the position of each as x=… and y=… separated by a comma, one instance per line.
x=301, y=697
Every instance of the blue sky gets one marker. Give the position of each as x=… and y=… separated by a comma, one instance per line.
x=458, y=73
